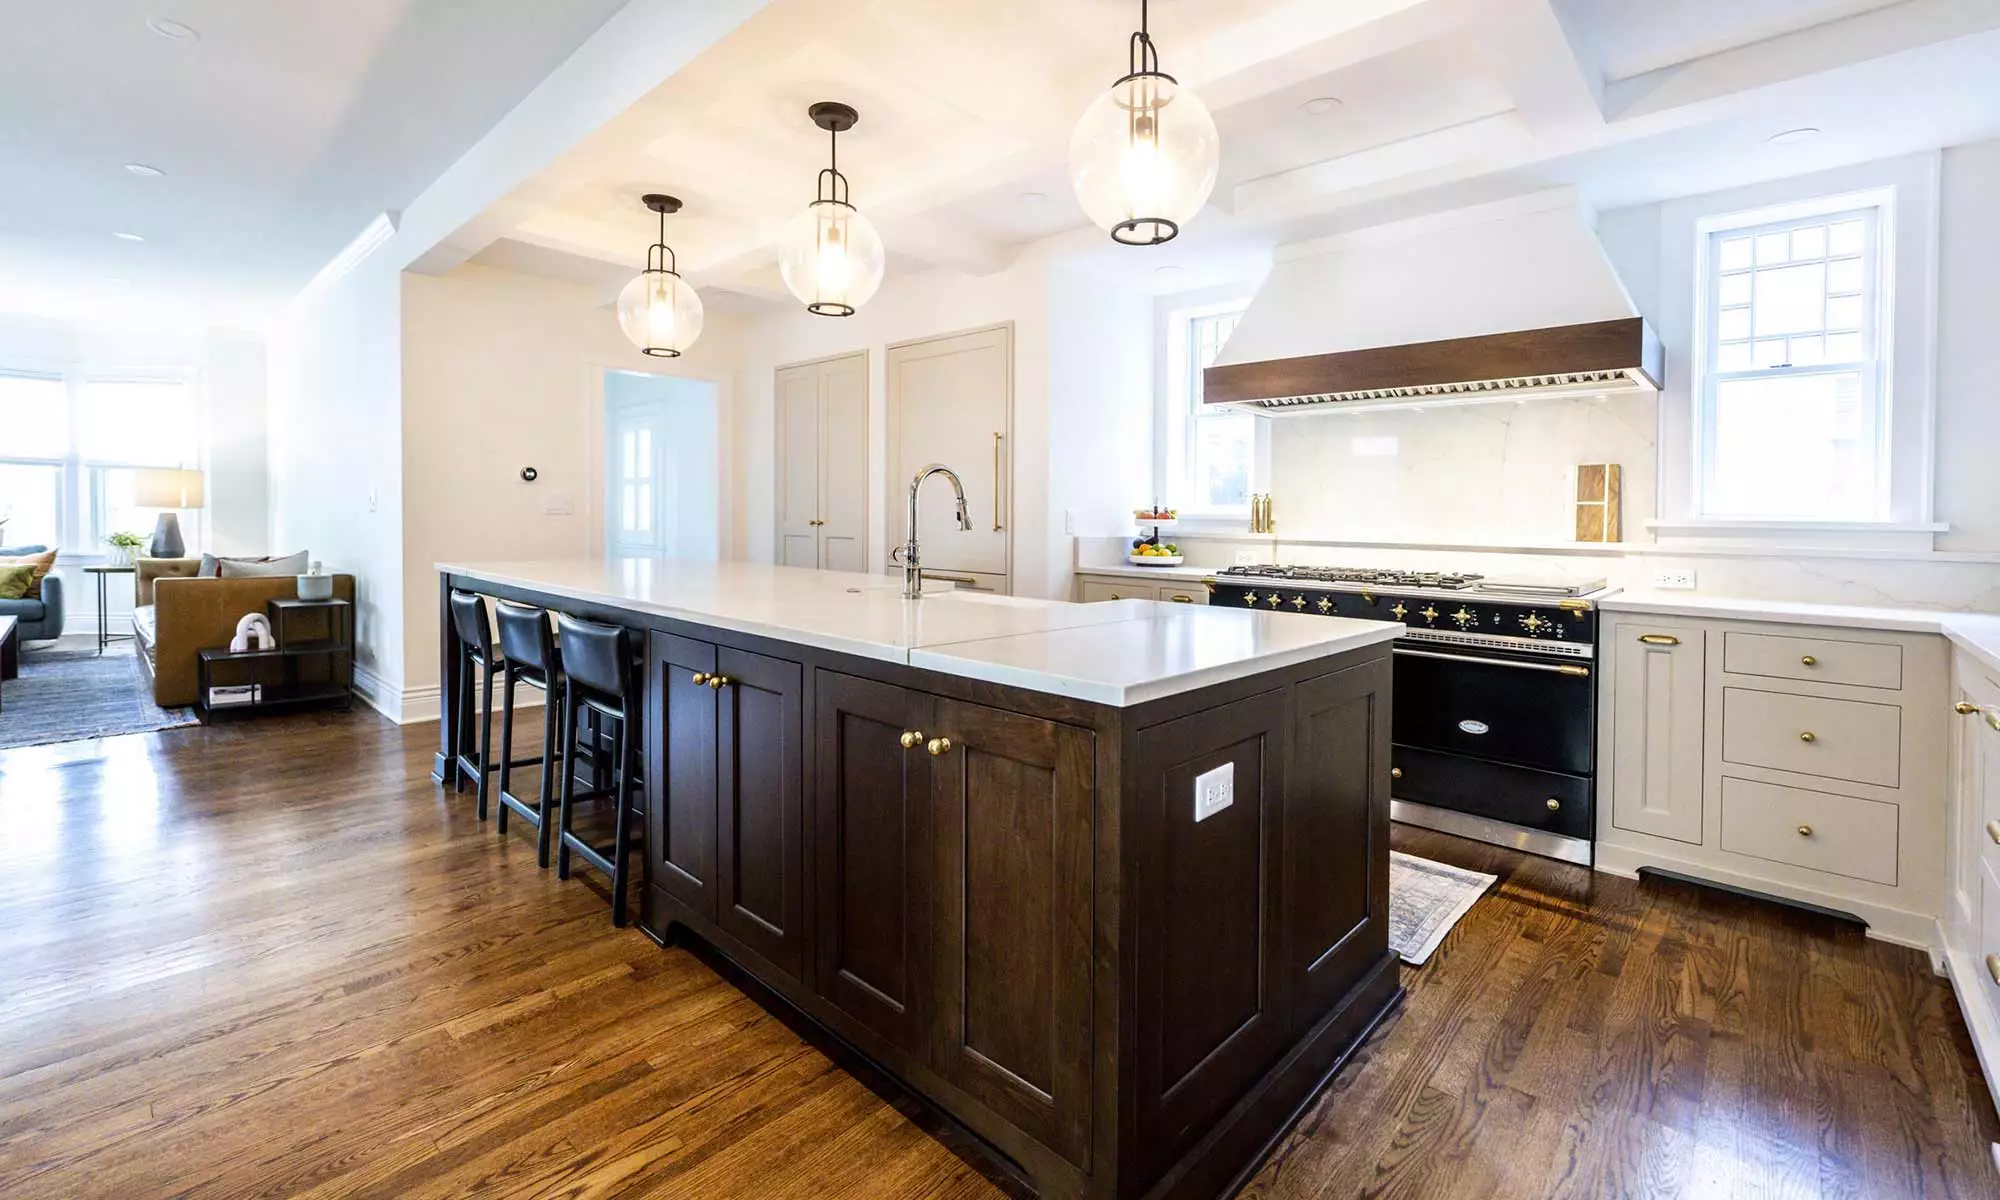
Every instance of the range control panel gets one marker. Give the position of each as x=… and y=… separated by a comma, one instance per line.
x=1538, y=621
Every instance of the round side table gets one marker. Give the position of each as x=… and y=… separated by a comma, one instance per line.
x=104, y=635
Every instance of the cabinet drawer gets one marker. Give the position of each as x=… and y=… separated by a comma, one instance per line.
x=1822, y=660
x=1812, y=735
x=1093, y=592
x=1821, y=831
x=1186, y=593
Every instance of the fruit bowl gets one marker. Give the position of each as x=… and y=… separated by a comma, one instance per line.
x=1155, y=560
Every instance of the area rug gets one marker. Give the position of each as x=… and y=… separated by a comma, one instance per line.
x=66, y=693
x=1425, y=900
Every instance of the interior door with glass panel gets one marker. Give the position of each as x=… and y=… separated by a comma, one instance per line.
x=637, y=507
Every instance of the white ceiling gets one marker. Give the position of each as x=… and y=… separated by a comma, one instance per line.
x=966, y=112
x=282, y=131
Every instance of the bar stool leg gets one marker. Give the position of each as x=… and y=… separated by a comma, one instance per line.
x=485, y=737
x=551, y=749
x=463, y=716
x=568, y=784
x=506, y=741
x=622, y=841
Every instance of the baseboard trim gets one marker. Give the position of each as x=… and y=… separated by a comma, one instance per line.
x=423, y=703
x=1980, y=1020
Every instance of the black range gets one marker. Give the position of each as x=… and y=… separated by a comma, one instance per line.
x=1494, y=698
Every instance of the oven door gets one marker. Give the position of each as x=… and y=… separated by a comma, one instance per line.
x=1525, y=712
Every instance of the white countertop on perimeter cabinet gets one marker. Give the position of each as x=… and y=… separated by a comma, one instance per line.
x=1181, y=574
x=1978, y=634
x=1123, y=652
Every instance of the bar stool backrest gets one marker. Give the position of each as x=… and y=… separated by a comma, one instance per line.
x=597, y=659
x=468, y=616
x=525, y=639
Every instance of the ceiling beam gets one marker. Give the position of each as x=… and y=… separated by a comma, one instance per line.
x=1484, y=142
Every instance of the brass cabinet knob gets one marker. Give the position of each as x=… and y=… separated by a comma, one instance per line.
x=1965, y=708
x=718, y=681
x=1116, y=596
x=1993, y=831
x=700, y=677
x=938, y=745
x=912, y=738
x=1553, y=804
x=1809, y=660
x=1395, y=772
x=1993, y=966
x=1805, y=831
x=1808, y=736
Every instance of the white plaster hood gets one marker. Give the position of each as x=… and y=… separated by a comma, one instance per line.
x=1502, y=301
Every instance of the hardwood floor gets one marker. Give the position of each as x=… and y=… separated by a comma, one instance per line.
x=272, y=959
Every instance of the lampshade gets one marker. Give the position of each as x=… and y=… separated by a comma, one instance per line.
x=832, y=258
x=1143, y=159
x=658, y=311
x=167, y=487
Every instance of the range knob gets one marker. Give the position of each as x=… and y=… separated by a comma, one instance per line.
x=1534, y=623
x=1250, y=598
x=1429, y=614
x=1299, y=602
x=1325, y=605
x=1463, y=617
x=1275, y=599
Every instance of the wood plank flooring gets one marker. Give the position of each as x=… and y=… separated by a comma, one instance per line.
x=272, y=959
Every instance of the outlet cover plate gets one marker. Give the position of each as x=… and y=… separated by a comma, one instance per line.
x=1676, y=580
x=1214, y=791
x=1248, y=558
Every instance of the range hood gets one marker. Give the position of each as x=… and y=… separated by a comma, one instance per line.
x=1505, y=301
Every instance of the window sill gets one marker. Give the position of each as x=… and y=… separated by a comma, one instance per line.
x=1219, y=525
x=1888, y=535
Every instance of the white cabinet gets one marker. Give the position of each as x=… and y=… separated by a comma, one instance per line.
x=1799, y=761
x=822, y=501
x=1972, y=919
x=951, y=400
x=1090, y=589
x=1655, y=723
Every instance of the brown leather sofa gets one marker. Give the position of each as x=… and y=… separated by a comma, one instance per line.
x=176, y=615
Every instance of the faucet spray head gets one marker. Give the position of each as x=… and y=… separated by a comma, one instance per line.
x=964, y=521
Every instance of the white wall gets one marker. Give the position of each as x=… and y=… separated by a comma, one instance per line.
x=1100, y=412
x=501, y=371
x=1968, y=351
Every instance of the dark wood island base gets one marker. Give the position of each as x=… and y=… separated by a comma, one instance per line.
x=1003, y=898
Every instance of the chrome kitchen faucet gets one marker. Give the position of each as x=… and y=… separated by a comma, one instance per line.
x=913, y=576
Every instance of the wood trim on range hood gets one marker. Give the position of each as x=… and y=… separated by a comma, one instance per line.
x=1603, y=356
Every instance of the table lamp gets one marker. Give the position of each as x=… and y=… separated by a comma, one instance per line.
x=167, y=488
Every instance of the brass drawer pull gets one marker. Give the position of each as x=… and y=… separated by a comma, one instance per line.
x=1805, y=831
x=938, y=746
x=1395, y=772
x=700, y=677
x=1808, y=736
x=1993, y=966
x=1553, y=804
x=1965, y=708
x=1180, y=599
x=1993, y=831
x=1809, y=661
x=912, y=738
x=1659, y=639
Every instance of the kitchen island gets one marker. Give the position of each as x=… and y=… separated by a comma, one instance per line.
x=1107, y=884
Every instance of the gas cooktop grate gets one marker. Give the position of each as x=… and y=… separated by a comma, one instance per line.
x=1435, y=580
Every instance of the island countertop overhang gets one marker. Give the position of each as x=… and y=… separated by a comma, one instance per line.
x=1119, y=653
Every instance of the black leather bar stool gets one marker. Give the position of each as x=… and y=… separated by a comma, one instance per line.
x=598, y=677
x=476, y=655
x=528, y=650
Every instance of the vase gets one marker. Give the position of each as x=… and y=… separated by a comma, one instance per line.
x=121, y=556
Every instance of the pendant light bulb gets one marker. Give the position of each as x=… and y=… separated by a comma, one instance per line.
x=658, y=311
x=832, y=259
x=1143, y=159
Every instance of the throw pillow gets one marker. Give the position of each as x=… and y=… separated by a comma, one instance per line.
x=237, y=568
x=14, y=582
x=43, y=563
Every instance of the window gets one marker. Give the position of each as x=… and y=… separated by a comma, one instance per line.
x=1211, y=454
x=1793, y=377
x=72, y=450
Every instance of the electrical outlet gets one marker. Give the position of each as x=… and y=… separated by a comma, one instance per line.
x=1677, y=580
x=1248, y=558
x=371, y=499
x=1214, y=791
x=1069, y=520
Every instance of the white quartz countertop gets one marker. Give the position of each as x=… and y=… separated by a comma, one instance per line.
x=1121, y=653
x=1978, y=634
x=1182, y=574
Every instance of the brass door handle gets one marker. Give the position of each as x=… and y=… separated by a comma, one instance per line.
x=996, y=482
x=1395, y=772
x=700, y=677
x=1993, y=831
x=938, y=746
x=1809, y=660
x=1553, y=804
x=1993, y=966
x=1659, y=639
x=1993, y=719
x=911, y=738
x=1805, y=831
x=1180, y=599
x=1808, y=736
x=719, y=681
x=1965, y=708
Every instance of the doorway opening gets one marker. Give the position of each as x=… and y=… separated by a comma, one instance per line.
x=662, y=484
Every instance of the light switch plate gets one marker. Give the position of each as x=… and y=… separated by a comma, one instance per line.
x=1214, y=791
x=1677, y=580
x=558, y=506
x=1248, y=558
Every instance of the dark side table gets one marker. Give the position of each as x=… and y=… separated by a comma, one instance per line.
x=312, y=664
x=104, y=635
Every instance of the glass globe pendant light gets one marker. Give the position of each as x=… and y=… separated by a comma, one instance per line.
x=658, y=311
x=832, y=258
x=1143, y=158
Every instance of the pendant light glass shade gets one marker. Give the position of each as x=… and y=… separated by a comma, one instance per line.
x=1143, y=159
x=658, y=311
x=832, y=258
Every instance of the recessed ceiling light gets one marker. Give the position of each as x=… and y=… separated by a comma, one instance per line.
x=1034, y=197
x=143, y=169
x=1319, y=106
x=168, y=28
x=1792, y=137
x=129, y=237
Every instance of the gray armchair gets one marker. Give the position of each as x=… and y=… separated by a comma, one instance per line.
x=37, y=617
